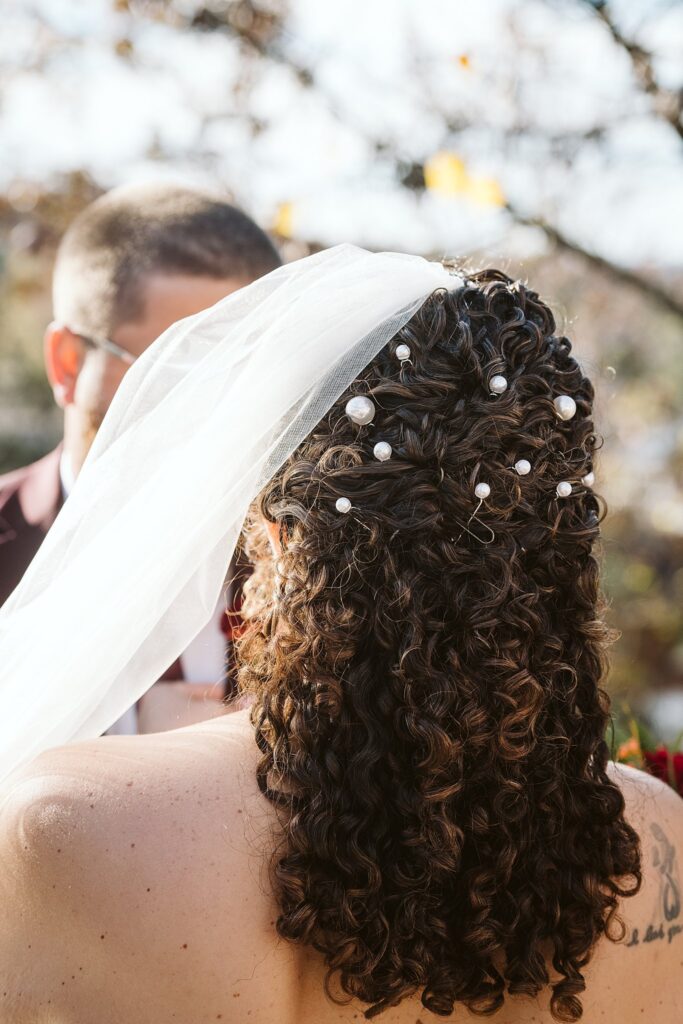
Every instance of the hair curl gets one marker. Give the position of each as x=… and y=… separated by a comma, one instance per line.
x=428, y=706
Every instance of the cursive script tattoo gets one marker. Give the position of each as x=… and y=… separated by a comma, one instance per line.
x=668, y=923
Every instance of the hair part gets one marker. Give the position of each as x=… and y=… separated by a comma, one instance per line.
x=134, y=231
x=429, y=710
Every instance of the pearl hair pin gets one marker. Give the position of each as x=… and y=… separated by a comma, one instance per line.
x=482, y=491
x=360, y=410
x=565, y=407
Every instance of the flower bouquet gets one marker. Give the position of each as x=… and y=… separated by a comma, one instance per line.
x=640, y=749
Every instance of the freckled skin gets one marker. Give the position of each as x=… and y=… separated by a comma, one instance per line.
x=164, y=883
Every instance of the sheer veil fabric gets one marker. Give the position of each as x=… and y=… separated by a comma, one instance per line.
x=136, y=560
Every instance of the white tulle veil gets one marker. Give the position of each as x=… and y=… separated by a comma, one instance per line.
x=135, y=562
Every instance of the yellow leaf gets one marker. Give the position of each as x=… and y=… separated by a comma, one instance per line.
x=464, y=61
x=284, y=220
x=446, y=173
x=630, y=748
x=485, y=191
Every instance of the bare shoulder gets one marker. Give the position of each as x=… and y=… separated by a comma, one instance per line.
x=95, y=790
x=649, y=800
x=655, y=811
x=134, y=799
x=654, y=918
x=153, y=850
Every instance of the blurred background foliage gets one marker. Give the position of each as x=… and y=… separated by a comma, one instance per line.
x=545, y=136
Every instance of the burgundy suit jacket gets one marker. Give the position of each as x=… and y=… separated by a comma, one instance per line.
x=30, y=499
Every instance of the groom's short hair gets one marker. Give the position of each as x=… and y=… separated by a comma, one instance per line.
x=138, y=230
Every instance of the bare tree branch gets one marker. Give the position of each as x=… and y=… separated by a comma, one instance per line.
x=651, y=289
x=667, y=104
x=260, y=32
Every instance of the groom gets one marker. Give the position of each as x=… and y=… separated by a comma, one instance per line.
x=131, y=264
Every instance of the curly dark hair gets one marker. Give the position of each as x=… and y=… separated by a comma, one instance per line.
x=427, y=700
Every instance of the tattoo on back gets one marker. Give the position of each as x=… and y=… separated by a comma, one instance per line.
x=667, y=924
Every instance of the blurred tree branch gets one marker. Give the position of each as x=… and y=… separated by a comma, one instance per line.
x=260, y=30
x=650, y=289
x=667, y=104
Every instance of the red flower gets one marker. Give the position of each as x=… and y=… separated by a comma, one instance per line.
x=666, y=766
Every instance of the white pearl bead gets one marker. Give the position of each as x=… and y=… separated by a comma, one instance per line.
x=523, y=467
x=382, y=451
x=403, y=352
x=342, y=505
x=498, y=384
x=482, y=490
x=360, y=409
x=564, y=489
x=589, y=479
x=565, y=406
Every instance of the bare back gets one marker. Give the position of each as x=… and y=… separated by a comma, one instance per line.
x=155, y=902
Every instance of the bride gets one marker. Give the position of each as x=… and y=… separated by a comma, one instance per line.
x=413, y=813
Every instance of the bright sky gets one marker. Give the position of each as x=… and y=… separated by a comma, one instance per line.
x=510, y=71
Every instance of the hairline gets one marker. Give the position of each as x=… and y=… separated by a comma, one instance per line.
x=136, y=233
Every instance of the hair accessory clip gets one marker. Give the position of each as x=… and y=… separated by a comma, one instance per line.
x=498, y=384
x=482, y=491
x=522, y=467
x=403, y=353
x=360, y=410
x=589, y=479
x=565, y=407
x=342, y=505
x=382, y=451
x=563, y=489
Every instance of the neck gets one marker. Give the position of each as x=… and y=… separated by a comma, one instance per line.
x=77, y=441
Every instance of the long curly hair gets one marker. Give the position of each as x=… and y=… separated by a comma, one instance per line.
x=427, y=696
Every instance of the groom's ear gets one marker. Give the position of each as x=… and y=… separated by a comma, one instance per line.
x=63, y=355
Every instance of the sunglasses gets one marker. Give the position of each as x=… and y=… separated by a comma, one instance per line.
x=109, y=346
